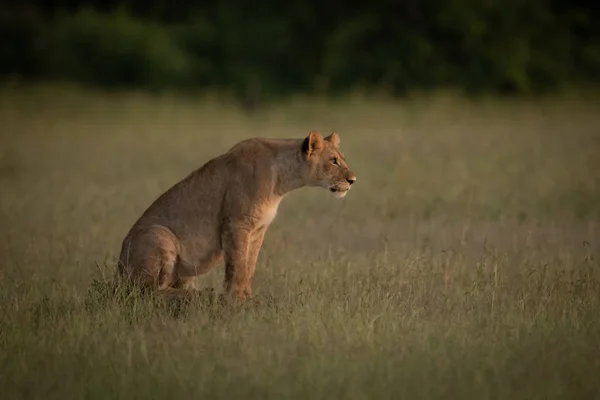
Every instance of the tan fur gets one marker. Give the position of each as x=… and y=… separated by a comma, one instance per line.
x=221, y=211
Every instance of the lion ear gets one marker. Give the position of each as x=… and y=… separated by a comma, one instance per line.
x=334, y=138
x=314, y=141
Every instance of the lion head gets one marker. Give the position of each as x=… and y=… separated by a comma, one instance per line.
x=327, y=165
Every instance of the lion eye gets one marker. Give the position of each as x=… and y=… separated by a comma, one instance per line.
x=334, y=161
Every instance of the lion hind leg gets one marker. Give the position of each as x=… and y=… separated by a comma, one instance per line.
x=168, y=259
x=150, y=258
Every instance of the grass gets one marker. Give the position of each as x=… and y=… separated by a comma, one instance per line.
x=463, y=264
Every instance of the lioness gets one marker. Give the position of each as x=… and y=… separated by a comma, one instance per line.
x=222, y=210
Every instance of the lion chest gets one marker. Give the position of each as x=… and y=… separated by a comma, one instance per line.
x=266, y=214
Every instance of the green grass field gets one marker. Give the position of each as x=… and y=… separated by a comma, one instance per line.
x=464, y=263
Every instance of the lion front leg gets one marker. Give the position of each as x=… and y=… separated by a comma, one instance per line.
x=235, y=248
x=256, y=242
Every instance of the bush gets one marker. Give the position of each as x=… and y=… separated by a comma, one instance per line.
x=19, y=48
x=114, y=50
x=492, y=46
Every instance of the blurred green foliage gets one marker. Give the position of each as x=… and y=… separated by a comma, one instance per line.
x=304, y=46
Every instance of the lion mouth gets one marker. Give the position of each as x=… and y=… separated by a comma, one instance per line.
x=339, y=191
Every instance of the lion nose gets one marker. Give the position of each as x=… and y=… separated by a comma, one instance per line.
x=351, y=179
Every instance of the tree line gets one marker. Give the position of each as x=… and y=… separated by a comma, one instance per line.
x=275, y=48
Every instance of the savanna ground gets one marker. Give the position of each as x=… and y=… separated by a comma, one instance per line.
x=463, y=264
